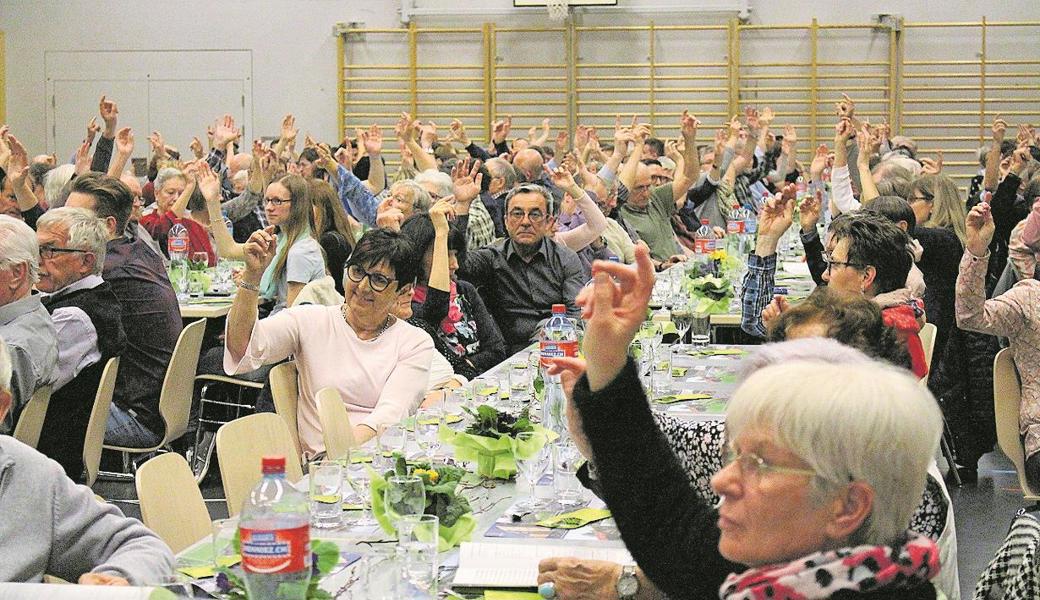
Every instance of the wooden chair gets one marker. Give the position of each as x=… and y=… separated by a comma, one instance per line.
x=171, y=502
x=927, y=335
x=285, y=391
x=1007, y=395
x=214, y=413
x=30, y=422
x=175, y=399
x=336, y=430
x=98, y=423
x=240, y=446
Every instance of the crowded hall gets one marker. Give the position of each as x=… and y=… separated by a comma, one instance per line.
x=520, y=300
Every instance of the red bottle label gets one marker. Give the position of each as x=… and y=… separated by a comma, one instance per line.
x=279, y=551
x=558, y=350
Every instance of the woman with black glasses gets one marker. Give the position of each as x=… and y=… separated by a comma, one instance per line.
x=379, y=364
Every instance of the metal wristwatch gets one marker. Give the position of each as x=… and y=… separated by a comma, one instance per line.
x=627, y=583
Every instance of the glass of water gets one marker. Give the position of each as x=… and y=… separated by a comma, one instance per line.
x=361, y=486
x=404, y=496
x=427, y=424
x=566, y=459
x=700, y=329
x=417, y=550
x=393, y=439
x=532, y=467
x=519, y=383
x=326, y=479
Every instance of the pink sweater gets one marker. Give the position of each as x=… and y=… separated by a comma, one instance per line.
x=381, y=380
x=1016, y=315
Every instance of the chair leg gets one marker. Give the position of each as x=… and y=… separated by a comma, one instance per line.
x=947, y=451
x=127, y=474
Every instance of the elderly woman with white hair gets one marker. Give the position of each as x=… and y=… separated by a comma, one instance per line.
x=813, y=504
x=173, y=190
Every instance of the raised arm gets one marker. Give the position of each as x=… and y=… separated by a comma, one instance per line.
x=18, y=171
x=406, y=127
x=1004, y=315
x=990, y=178
x=103, y=153
x=257, y=253
x=288, y=134
x=209, y=184
x=685, y=179
x=841, y=180
x=627, y=176
x=866, y=143
x=124, y=149
x=595, y=223
x=372, y=141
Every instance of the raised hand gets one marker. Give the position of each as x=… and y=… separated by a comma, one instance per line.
x=498, y=132
x=845, y=108
x=932, y=166
x=751, y=118
x=389, y=216
x=309, y=142
x=561, y=143
x=209, y=182
x=582, y=135
x=735, y=126
x=978, y=229
x=325, y=160
x=865, y=143
x=289, y=130
x=125, y=141
x=457, y=132
x=766, y=117
x=562, y=179
x=441, y=213
x=406, y=127
x=18, y=162
x=843, y=131
x=671, y=150
x=466, y=179
x=92, y=129
x=721, y=137
x=688, y=125
x=641, y=133
x=1020, y=159
x=777, y=213
x=258, y=252
x=790, y=139
x=196, y=147
x=774, y=309
x=428, y=134
x=109, y=114
x=5, y=147
x=158, y=145
x=372, y=141
x=225, y=132
x=614, y=307
x=809, y=211
x=82, y=158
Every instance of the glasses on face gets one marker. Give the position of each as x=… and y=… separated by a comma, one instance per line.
x=377, y=281
x=753, y=467
x=660, y=179
x=517, y=215
x=403, y=201
x=920, y=198
x=641, y=188
x=48, y=252
x=831, y=263
x=276, y=202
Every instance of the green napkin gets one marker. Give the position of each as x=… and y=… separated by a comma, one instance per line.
x=679, y=371
x=350, y=506
x=210, y=300
x=575, y=519
x=682, y=398
x=202, y=555
x=495, y=457
x=509, y=595
x=410, y=423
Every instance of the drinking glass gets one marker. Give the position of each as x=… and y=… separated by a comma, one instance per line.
x=427, y=424
x=177, y=584
x=405, y=495
x=454, y=400
x=417, y=550
x=532, y=468
x=179, y=279
x=224, y=531
x=326, y=480
x=700, y=326
x=520, y=383
x=681, y=315
x=484, y=390
x=566, y=460
x=196, y=284
x=393, y=440
x=223, y=275
x=361, y=486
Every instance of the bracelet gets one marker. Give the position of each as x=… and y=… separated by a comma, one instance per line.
x=248, y=286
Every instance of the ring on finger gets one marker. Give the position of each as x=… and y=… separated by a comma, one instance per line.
x=547, y=590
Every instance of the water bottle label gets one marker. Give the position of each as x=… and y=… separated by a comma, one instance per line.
x=177, y=244
x=278, y=551
x=751, y=226
x=734, y=227
x=555, y=349
x=703, y=246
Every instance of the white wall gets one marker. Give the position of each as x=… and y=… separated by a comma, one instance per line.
x=293, y=49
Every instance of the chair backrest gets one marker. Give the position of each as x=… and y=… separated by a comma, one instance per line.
x=927, y=335
x=336, y=430
x=1007, y=395
x=179, y=383
x=171, y=502
x=285, y=391
x=95, y=436
x=30, y=422
x=240, y=446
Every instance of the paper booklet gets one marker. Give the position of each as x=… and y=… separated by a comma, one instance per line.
x=516, y=565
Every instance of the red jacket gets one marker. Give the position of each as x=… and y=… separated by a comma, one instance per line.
x=159, y=225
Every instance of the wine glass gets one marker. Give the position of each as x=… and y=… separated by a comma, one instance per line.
x=405, y=495
x=393, y=440
x=533, y=467
x=179, y=278
x=681, y=315
x=427, y=425
x=359, y=482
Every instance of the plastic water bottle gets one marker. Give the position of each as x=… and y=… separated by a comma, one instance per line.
x=177, y=248
x=802, y=187
x=559, y=339
x=227, y=223
x=275, y=533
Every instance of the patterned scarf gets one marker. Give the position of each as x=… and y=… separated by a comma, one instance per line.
x=906, y=564
x=454, y=308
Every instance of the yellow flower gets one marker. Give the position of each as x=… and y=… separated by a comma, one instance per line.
x=718, y=255
x=434, y=475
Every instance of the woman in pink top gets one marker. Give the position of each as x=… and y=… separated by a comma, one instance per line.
x=1014, y=314
x=379, y=364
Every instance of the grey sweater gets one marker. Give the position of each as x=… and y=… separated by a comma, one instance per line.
x=53, y=526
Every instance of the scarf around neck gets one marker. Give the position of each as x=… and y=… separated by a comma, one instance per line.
x=447, y=325
x=906, y=564
x=268, y=283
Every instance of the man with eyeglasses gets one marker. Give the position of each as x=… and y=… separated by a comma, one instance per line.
x=649, y=208
x=88, y=321
x=522, y=276
x=24, y=322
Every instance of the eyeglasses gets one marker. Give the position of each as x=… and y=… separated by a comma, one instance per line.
x=641, y=188
x=753, y=467
x=839, y=263
x=517, y=215
x=403, y=201
x=660, y=179
x=276, y=201
x=49, y=252
x=920, y=198
x=377, y=281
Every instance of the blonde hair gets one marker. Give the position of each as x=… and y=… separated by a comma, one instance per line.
x=947, y=207
x=851, y=422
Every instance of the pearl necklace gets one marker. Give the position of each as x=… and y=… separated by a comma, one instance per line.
x=382, y=328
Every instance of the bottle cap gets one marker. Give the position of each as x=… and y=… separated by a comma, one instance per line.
x=273, y=465
x=559, y=309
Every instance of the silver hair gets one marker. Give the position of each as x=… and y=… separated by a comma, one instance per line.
x=820, y=349
x=85, y=231
x=166, y=174
x=421, y=200
x=864, y=422
x=18, y=245
x=500, y=167
x=53, y=182
x=5, y=368
x=435, y=177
